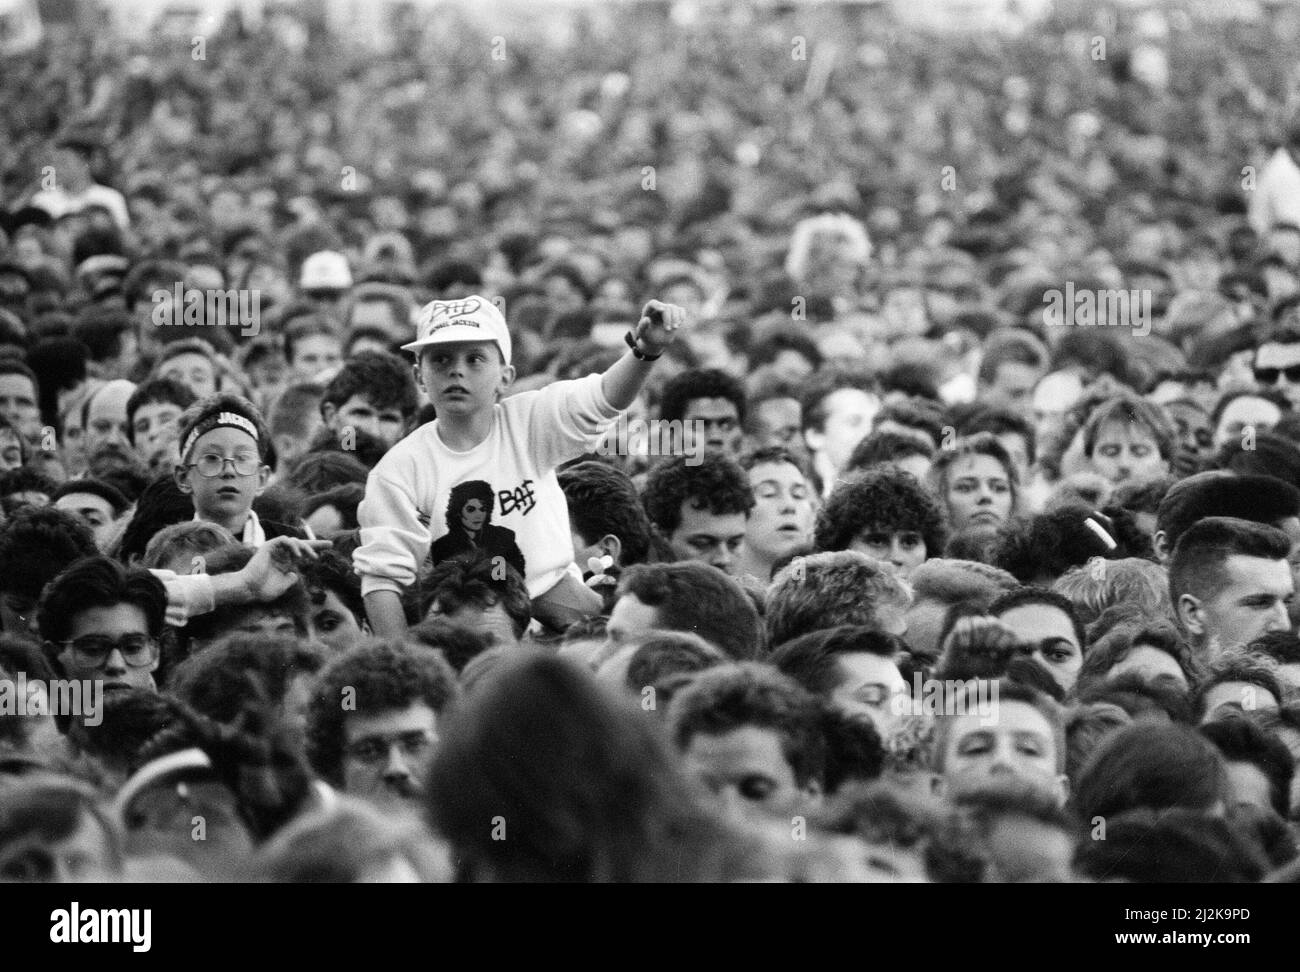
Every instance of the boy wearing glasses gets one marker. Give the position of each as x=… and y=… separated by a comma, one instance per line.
x=223, y=443
x=99, y=620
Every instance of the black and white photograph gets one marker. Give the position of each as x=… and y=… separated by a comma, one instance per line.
x=726, y=442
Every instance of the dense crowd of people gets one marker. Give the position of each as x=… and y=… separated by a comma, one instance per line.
x=757, y=445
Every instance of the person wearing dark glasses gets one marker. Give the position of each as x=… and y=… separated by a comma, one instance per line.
x=1277, y=362
x=99, y=620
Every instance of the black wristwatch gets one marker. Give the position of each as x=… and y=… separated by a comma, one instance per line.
x=637, y=352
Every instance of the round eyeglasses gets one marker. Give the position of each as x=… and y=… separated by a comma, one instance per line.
x=211, y=466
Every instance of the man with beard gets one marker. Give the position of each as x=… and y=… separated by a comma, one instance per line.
x=374, y=720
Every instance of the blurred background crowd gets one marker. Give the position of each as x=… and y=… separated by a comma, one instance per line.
x=864, y=209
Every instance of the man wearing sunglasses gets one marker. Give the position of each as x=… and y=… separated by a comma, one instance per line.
x=1277, y=362
x=101, y=621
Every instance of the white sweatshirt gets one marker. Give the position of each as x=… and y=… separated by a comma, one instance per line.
x=1276, y=198
x=405, y=507
x=59, y=202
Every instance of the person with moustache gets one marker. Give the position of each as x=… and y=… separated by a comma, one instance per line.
x=374, y=719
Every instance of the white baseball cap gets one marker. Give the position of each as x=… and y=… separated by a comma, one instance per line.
x=472, y=318
x=1057, y=392
x=325, y=270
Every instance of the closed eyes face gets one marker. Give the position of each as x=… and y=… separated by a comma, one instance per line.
x=986, y=742
x=772, y=490
x=868, y=686
x=783, y=513
x=1125, y=451
x=1014, y=738
x=713, y=538
x=1113, y=449
x=745, y=769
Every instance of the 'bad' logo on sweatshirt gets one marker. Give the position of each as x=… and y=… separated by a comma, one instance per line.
x=521, y=499
x=470, y=529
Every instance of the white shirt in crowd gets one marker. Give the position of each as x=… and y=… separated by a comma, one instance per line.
x=1276, y=198
x=59, y=202
x=405, y=509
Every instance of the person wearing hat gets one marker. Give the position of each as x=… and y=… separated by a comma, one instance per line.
x=462, y=351
x=74, y=187
x=325, y=278
x=159, y=804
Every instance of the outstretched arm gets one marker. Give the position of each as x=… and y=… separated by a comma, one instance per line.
x=656, y=330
